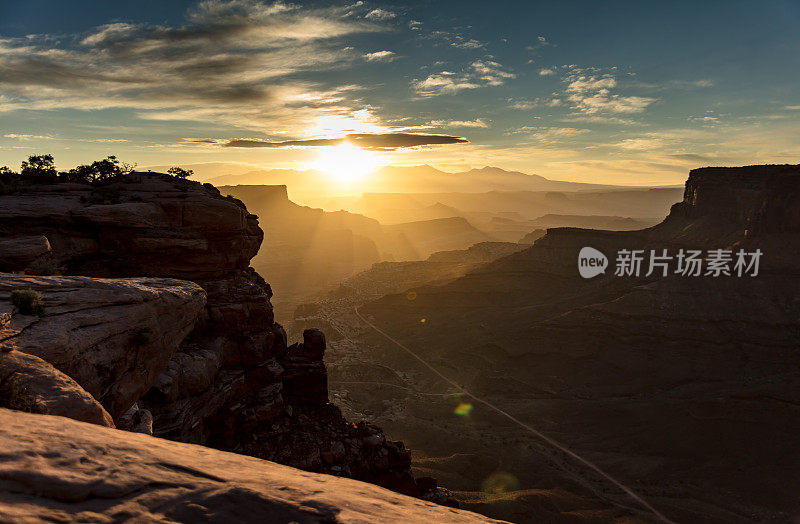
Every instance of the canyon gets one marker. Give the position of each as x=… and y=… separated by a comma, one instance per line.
x=683, y=389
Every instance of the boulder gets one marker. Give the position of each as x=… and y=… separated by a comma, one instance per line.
x=18, y=253
x=28, y=383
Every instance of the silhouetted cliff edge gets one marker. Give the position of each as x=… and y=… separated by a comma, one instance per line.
x=203, y=359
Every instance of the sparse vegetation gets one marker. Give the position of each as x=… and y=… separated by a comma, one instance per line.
x=28, y=301
x=40, y=169
x=108, y=168
x=39, y=166
x=180, y=172
x=14, y=395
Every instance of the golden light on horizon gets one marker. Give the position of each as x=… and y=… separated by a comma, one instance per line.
x=346, y=164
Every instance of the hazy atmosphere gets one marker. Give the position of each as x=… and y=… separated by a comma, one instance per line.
x=423, y=262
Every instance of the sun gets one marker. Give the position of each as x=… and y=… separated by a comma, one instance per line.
x=346, y=163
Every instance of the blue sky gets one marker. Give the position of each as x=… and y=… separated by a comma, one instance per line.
x=620, y=92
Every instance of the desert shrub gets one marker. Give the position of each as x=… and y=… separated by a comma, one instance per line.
x=46, y=265
x=9, y=180
x=140, y=336
x=13, y=395
x=180, y=172
x=27, y=301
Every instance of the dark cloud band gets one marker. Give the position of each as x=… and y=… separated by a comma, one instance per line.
x=364, y=140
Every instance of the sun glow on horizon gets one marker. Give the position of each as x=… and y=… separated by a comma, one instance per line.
x=346, y=164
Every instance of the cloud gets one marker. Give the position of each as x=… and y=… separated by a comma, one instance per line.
x=603, y=102
x=527, y=104
x=451, y=38
x=26, y=137
x=548, y=135
x=463, y=43
x=379, y=14
x=792, y=108
x=240, y=62
x=442, y=83
x=591, y=94
x=691, y=157
x=491, y=72
x=706, y=119
x=598, y=119
x=583, y=84
x=383, y=141
x=478, y=122
x=480, y=73
x=546, y=72
x=641, y=144
x=380, y=56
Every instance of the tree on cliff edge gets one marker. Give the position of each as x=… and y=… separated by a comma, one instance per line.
x=39, y=166
x=179, y=172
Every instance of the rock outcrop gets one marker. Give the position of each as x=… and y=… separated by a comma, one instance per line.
x=55, y=469
x=28, y=383
x=233, y=383
x=111, y=336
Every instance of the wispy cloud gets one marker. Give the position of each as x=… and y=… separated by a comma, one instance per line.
x=380, y=56
x=480, y=73
x=477, y=123
x=450, y=38
x=26, y=137
x=234, y=62
x=548, y=135
x=379, y=14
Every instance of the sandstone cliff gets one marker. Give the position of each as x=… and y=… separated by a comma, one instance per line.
x=232, y=383
x=55, y=469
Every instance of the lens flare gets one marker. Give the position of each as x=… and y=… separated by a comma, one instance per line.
x=499, y=482
x=463, y=409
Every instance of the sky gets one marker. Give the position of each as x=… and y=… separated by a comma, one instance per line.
x=633, y=93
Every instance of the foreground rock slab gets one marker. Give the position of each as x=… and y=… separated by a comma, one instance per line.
x=54, y=469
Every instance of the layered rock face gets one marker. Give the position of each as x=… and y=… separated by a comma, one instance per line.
x=55, y=469
x=232, y=383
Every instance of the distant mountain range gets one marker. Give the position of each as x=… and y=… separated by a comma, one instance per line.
x=391, y=179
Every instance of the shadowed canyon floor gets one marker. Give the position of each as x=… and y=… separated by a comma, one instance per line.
x=685, y=389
